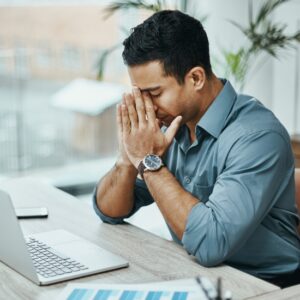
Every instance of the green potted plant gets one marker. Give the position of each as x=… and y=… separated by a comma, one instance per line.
x=264, y=38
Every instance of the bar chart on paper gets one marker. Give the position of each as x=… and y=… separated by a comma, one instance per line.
x=97, y=292
x=87, y=294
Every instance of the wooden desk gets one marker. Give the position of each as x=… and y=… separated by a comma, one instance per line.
x=290, y=293
x=150, y=257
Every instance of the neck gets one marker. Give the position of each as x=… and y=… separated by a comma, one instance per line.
x=211, y=90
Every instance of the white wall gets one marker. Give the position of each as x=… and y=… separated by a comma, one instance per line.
x=222, y=34
x=274, y=83
x=284, y=84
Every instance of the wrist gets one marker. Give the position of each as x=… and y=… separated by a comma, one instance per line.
x=148, y=174
x=125, y=164
x=137, y=162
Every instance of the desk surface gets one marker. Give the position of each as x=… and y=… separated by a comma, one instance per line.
x=150, y=257
x=290, y=293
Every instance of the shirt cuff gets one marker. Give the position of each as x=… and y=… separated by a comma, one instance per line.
x=195, y=227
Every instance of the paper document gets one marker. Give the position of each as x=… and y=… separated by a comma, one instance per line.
x=154, y=291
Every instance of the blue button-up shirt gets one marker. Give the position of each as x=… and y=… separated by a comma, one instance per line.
x=241, y=168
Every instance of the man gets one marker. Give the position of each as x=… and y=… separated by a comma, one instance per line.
x=220, y=169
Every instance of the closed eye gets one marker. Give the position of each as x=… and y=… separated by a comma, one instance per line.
x=155, y=96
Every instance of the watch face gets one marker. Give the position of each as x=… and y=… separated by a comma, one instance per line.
x=152, y=162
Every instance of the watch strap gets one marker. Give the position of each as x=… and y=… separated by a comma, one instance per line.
x=141, y=169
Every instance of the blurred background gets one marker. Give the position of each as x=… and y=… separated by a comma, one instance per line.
x=61, y=75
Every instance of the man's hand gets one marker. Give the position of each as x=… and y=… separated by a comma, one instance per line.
x=123, y=157
x=141, y=132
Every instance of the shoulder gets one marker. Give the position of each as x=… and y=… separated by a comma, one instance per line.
x=249, y=117
x=253, y=131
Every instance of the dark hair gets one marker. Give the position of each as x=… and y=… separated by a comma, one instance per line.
x=177, y=40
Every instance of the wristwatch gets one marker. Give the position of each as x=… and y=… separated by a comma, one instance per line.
x=151, y=162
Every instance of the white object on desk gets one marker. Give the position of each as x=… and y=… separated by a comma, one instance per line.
x=151, y=291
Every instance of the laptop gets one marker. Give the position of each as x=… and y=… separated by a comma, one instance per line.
x=50, y=257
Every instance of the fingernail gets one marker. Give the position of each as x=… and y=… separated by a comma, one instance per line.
x=136, y=90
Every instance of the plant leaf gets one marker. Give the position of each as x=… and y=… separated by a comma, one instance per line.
x=240, y=27
x=136, y=4
x=267, y=8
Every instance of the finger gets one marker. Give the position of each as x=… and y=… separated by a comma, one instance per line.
x=119, y=117
x=172, y=129
x=150, y=113
x=139, y=104
x=131, y=110
x=119, y=113
x=123, y=99
x=125, y=120
x=159, y=123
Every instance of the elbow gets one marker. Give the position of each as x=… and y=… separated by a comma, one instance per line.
x=209, y=251
x=111, y=221
x=105, y=218
x=209, y=260
x=206, y=238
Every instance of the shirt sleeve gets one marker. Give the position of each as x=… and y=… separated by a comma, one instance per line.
x=243, y=194
x=142, y=198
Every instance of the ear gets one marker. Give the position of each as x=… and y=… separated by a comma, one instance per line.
x=197, y=77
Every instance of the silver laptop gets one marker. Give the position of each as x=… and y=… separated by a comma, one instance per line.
x=52, y=256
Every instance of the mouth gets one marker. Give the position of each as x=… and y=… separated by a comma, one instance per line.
x=162, y=118
x=165, y=120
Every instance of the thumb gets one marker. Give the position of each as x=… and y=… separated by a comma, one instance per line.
x=172, y=129
x=159, y=123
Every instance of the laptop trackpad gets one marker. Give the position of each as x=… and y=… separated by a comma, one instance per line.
x=86, y=253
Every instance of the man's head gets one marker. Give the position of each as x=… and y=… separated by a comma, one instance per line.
x=173, y=38
x=168, y=57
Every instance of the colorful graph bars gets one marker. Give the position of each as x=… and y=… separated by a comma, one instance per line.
x=92, y=294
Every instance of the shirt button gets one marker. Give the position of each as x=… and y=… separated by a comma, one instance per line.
x=187, y=179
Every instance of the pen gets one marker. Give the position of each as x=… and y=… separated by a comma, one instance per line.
x=219, y=289
x=198, y=280
x=212, y=292
x=207, y=287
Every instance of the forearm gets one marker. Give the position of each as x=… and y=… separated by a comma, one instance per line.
x=115, y=192
x=173, y=201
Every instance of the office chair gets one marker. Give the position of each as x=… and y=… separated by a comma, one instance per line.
x=297, y=184
x=287, y=280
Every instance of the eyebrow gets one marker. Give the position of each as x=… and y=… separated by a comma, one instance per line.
x=151, y=89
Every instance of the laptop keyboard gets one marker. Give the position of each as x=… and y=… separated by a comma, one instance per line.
x=49, y=262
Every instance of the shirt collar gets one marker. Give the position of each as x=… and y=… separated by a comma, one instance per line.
x=214, y=119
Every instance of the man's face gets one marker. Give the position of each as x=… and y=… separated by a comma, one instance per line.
x=170, y=99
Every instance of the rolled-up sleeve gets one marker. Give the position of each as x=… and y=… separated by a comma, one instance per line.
x=243, y=194
x=142, y=198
